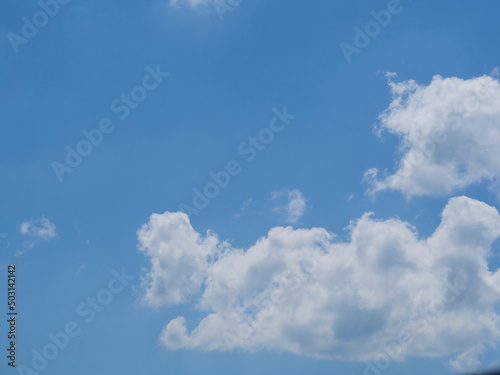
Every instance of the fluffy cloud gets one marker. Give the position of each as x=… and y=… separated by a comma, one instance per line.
x=449, y=135
x=385, y=291
x=179, y=258
x=39, y=228
x=289, y=203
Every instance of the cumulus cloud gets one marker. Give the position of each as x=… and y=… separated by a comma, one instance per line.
x=39, y=228
x=289, y=203
x=179, y=258
x=303, y=291
x=449, y=134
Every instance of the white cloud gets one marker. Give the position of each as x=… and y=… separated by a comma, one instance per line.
x=303, y=291
x=467, y=361
x=449, y=136
x=39, y=228
x=179, y=258
x=289, y=203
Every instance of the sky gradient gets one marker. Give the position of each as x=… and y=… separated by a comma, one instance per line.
x=344, y=154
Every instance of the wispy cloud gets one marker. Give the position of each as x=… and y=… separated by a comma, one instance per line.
x=243, y=208
x=36, y=230
x=177, y=3
x=289, y=203
x=468, y=360
x=39, y=228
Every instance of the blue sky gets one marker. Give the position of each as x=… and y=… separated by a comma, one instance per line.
x=227, y=79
